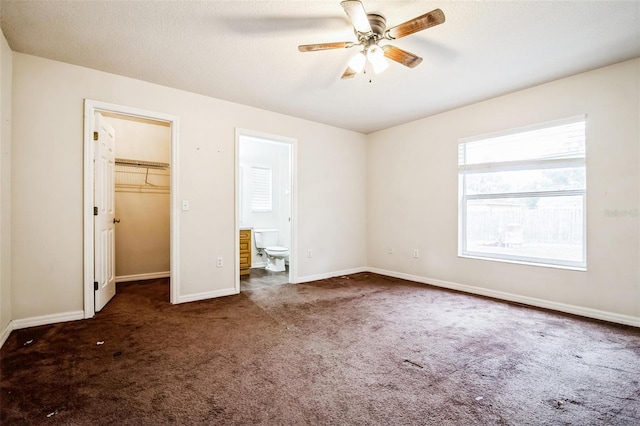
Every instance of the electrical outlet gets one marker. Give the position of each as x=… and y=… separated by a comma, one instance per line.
x=185, y=205
x=220, y=262
x=309, y=253
x=390, y=250
x=416, y=253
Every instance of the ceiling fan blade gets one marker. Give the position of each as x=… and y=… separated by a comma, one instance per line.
x=402, y=56
x=325, y=46
x=348, y=73
x=358, y=16
x=435, y=17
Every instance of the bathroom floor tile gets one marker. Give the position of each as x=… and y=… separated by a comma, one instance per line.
x=260, y=278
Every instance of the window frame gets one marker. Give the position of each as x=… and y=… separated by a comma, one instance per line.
x=518, y=165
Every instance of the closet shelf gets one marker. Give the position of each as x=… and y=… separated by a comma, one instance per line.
x=141, y=176
x=142, y=163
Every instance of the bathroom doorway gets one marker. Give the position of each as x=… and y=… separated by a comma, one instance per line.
x=264, y=210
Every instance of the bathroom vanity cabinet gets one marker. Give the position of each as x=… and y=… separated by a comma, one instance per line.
x=245, y=251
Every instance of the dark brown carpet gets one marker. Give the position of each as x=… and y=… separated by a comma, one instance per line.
x=358, y=350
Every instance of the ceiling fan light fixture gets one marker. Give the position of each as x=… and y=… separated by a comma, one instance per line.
x=380, y=66
x=357, y=62
x=375, y=55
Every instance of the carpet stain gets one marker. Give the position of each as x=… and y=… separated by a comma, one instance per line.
x=414, y=364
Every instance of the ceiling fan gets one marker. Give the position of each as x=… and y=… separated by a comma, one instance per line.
x=371, y=29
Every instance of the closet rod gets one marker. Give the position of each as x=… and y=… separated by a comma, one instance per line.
x=142, y=163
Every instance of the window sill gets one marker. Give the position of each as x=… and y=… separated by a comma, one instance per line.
x=523, y=262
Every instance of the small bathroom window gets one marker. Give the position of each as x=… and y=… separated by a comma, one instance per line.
x=261, y=189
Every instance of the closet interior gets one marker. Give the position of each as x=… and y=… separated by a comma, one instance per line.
x=142, y=186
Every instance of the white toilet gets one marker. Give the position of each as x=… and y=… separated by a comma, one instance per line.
x=266, y=239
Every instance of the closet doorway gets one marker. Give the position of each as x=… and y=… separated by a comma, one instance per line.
x=137, y=243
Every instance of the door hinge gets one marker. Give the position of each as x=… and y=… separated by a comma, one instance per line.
x=95, y=285
x=95, y=211
x=95, y=136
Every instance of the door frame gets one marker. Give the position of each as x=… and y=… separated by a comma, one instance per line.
x=293, y=164
x=90, y=108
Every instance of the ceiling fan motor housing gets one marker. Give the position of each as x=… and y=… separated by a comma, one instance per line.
x=370, y=29
x=378, y=24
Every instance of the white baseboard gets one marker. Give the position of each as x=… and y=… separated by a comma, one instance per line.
x=206, y=295
x=532, y=301
x=47, y=319
x=258, y=265
x=5, y=333
x=334, y=274
x=141, y=277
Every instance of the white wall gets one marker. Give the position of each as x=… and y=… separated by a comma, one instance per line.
x=142, y=235
x=412, y=187
x=5, y=184
x=47, y=183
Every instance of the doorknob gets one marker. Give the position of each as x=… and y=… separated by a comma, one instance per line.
x=116, y=220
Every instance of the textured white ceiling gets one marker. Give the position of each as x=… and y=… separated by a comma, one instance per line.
x=246, y=51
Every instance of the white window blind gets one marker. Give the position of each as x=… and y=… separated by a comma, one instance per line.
x=261, y=189
x=522, y=195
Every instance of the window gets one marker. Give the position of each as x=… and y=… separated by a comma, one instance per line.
x=522, y=195
x=261, y=189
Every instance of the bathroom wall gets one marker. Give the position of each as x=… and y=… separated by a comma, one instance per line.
x=257, y=152
x=284, y=226
x=142, y=236
x=5, y=188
